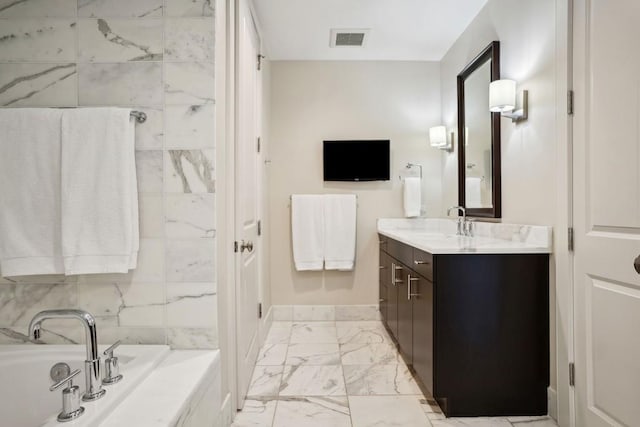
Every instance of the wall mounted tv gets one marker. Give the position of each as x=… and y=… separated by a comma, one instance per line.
x=357, y=160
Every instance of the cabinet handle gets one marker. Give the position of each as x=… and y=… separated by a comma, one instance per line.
x=381, y=300
x=382, y=242
x=395, y=268
x=383, y=267
x=409, y=294
x=416, y=262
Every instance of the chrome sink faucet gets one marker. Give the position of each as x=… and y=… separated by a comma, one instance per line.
x=93, y=377
x=465, y=227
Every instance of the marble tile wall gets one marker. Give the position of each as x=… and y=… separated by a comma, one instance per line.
x=156, y=56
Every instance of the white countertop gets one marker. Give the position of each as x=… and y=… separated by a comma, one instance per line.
x=438, y=236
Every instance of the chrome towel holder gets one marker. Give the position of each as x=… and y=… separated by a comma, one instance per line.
x=409, y=166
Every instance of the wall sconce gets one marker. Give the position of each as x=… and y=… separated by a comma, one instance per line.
x=438, y=138
x=502, y=99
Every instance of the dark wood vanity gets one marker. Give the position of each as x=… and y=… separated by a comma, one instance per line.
x=473, y=328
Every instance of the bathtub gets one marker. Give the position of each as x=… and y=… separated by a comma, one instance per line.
x=161, y=387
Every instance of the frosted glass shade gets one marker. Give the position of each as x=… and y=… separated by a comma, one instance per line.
x=502, y=96
x=438, y=136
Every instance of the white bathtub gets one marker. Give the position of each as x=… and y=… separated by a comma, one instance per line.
x=25, y=399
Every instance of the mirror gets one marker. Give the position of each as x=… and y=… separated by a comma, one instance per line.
x=479, y=137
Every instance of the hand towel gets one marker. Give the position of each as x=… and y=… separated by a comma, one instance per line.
x=339, y=231
x=472, y=191
x=30, y=192
x=99, y=201
x=412, y=196
x=307, y=231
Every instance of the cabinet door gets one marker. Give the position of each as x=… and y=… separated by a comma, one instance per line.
x=422, y=291
x=384, y=282
x=405, y=317
x=392, y=297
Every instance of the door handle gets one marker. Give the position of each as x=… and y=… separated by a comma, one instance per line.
x=636, y=264
x=248, y=246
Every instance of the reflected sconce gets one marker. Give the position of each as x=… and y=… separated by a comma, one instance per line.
x=502, y=99
x=438, y=138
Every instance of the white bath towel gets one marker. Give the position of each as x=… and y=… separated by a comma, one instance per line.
x=473, y=195
x=307, y=231
x=30, y=192
x=412, y=196
x=339, y=231
x=99, y=200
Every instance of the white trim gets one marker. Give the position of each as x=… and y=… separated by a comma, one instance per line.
x=552, y=402
x=225, y=416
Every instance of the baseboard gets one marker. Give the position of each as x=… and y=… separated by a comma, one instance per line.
x=225, y=418
x=552, y=402
x=267, y=321
x=325, y=313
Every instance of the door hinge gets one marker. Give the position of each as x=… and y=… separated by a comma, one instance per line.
x=570, y=237
x=259, y=310
x=258, y=144
x=572, y=374
x=235, y=246
x=259, y=228
x=260, y=58
x=570, y=101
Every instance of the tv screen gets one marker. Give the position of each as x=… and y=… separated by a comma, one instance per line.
x=356, y=160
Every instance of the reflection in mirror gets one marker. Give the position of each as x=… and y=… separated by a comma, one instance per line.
x=479, y=137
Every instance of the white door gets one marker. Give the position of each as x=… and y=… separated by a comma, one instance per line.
x=247, y=277
x=607, y=212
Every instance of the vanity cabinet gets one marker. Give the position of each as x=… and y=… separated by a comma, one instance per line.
x=473, y=328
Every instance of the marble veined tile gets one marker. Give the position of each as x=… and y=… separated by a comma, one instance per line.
x=38, y=85
x=314, y=332
x=189, y=126
x=472, y=422
x=321, y=411
x=50, y=335
x=256, y=412
x=138, y=83
x=190, y=215
x=151, y=215
x=313, y=381
x=189, y=83
x=190, y=171
x=282, y=312
x=357, y=312
x=189, y=39
x=37, y=8
x=365, y=380
x=190, y=260
x=193, y=338
x=272, y=354
x=149, y=135
x=265, y=381
x=20, y=302
x=120, y=40
x=120, y=8
x=190, y=8
x=362, y=332
x=131, y=304
x=314, y=313
x=532, y=421
x=313, y=354
x=278, y=336
x=137, y=336
x=149, y=166
x=192, y=304
x=48, y=40
x=368, y=354
x=387, y=411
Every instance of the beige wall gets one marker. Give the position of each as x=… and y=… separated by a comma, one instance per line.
x=313, y=101
x=529, y=46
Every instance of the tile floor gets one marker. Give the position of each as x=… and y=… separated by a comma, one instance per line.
x=343, y=374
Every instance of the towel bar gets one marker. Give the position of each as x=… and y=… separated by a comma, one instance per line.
x=409, y=166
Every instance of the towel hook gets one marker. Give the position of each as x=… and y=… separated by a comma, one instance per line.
x=412, y=165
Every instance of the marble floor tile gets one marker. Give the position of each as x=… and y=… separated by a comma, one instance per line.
x=532, y=421
x=472, y=422
x=282, y=313
x=366, y=380
x=272, y=355
x=120, y=8
x=278, y=336
x=362, y=332
x=368, y=354
x=357, y=312
x=265, y=381
x=430, y=406
x=314, y=313
x=387, y=411
x=313, y=354
x=320, y=411
x=313, y=381
x=314, y=332
x=257, y=412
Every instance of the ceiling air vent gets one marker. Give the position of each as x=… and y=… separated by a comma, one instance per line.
x=349, y=37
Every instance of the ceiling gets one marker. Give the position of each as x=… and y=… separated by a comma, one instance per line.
x=403, y=30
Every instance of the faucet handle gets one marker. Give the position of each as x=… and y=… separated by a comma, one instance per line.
x=109, y=352
x=71, y=408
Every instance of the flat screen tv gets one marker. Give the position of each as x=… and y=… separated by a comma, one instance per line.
x=365, y=160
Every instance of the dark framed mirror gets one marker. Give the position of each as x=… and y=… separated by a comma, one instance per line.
x=479, y=175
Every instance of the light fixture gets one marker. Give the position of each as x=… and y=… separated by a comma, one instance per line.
x=438, y=137
x=502, y=99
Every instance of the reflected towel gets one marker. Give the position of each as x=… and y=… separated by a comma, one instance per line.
x=412, y=196
x=339, y=231
x=472, y=191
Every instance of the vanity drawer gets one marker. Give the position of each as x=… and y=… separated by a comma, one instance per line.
x=400, y=251
x=422, y=263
